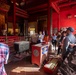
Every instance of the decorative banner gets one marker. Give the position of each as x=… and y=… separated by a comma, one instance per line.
x=36, y=53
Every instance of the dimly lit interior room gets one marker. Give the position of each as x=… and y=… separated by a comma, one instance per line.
x=37, y=37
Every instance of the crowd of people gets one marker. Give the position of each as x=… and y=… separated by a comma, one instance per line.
x=38, y=37
x=63, y=40
x=66, y=42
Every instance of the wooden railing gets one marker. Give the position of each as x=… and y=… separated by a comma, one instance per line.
x=10, y=39
x=21, y=13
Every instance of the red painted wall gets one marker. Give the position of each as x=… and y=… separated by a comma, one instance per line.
x=55, y=20
x=64, y=20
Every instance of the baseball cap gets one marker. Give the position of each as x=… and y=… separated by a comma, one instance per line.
x=71, y=29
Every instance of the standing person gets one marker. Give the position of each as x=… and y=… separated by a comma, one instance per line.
x=43, y=32
x=70, y=38
x=54, y=40
x=4, y=54
x=40, y=37
x=58, y=37
x=61, y=41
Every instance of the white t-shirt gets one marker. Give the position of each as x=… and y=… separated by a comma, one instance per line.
x=41, y=37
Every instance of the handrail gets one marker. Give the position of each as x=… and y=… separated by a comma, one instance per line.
x=18, y=9
x=21, y=13
x=25, y=16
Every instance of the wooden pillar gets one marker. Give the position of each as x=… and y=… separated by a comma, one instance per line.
x=14, y=17
x=26, y=27
x=49, y=19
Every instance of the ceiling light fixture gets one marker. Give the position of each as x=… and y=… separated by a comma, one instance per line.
x=17, y=4
x=22, y=3
x=11, y=1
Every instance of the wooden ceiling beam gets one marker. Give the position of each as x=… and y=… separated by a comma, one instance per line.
x=20, y=10
x=20, y=15
x=32, y=12
x=38, y=7
x=67, y=4
x=61, y=1
x=44, y=7
x=56, y=8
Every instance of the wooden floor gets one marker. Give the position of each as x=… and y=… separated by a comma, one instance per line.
x=23, y=67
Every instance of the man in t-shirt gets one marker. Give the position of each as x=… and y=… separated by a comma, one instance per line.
x=70, y=39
